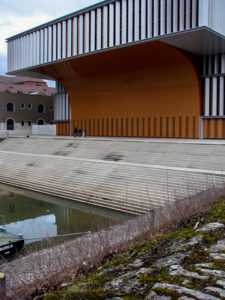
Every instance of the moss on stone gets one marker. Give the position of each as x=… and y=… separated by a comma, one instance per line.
x=91, y=286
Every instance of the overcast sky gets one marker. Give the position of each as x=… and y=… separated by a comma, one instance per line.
x=19, y=15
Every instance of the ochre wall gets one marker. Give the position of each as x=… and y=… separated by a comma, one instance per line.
x=149, y=89
x=62, y=128
x=214, y=128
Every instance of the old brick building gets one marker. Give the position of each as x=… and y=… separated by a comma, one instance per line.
x=25, y=101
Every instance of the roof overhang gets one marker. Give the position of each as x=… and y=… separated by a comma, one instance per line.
x=200, y=41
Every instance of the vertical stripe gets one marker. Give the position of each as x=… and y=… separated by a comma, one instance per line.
x=30, y=50
x=207, y=96
x=105, y=26
x=175, y=15
x=162, y=17
x=156, y=18
x=99, y=28
x=75, y=36
x=222, y=96
x=210, y=64
x=64, y=39
x=188, y=14
x=49, y=43
x=34, y=48
x=45, y=44
x=194, y=13
x=130, y=21
x=181, y=17
x=143, y=19
x=124, y=21
x=149, y=18
x=169, y=16
x=87, y=33
x=136, y=20
x=81, y=34
x=93, y=30
x=69, y=38
x=54, y=42
x=111, y=24
x=214, y=107
x=59, y=40
x=117, y=19
x=216, y=64
x=41, y=46
x=38, y=47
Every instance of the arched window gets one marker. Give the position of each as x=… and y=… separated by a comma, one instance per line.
x=41, y=108
x=22, y=123
x=10, y=107
x=40, y=122
x=10, y=124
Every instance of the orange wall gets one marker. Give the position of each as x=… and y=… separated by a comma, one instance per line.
x=149, y=89
x=214, y=128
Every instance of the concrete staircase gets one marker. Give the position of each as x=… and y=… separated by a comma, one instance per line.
x=89, y=171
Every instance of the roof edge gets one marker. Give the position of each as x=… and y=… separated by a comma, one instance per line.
x=63, y=18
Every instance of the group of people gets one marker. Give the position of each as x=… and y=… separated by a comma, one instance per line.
x=79, y=132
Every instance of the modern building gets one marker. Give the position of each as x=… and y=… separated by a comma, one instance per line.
x=143, y=68
x=25, y=101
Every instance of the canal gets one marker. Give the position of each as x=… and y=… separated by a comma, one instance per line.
x=38, y=216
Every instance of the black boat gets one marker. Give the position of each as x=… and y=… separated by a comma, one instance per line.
x=10, y=244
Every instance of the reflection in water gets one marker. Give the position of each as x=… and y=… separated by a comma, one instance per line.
x=38, y=216
x=37, y=228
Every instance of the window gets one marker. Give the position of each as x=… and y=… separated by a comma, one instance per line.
x=10, y=124
x=22, y=105
x=29, y=106
x=22, y=123
x=51, y=107
x=40, y=122
x=41, y=108
x=29, y=123
x=10, y=107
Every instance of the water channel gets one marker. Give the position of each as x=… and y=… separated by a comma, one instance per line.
x=39, y=216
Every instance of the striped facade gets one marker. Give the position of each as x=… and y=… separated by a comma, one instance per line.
x=116, y=24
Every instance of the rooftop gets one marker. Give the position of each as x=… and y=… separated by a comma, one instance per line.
x=25, y=85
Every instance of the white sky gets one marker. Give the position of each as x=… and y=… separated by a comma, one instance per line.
x=19, y=15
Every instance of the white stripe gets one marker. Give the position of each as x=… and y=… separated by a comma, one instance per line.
x=87, y=32
x=194, y=13
x=136, y=20
x=45, y=44
x=124, y=21
x=207, y=96
x=181, y=17
x=105, y=27
x=222, y=96
x=81, y=33
x=99, y=28
x=69, y=42
x=169, y=16
x=111, y=24
x=175, y=16
x=188, y=14
x=54, y=42
x=143, y=19
x=75, y=36
x=117, y=41
x=162, y=17
x=130, y=21
x=214, y=108
x=59, y=43
x=49, y=43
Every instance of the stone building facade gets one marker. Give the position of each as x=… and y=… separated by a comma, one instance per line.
x=25, y=101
